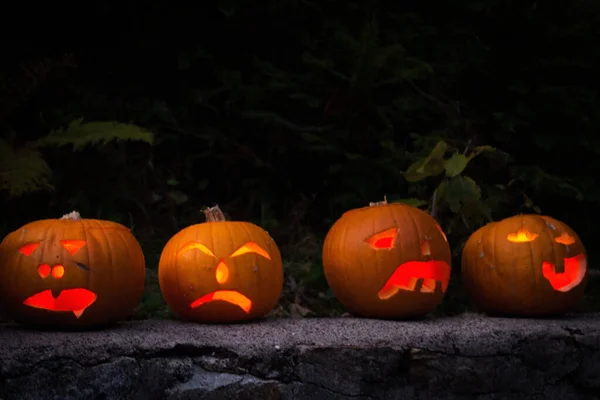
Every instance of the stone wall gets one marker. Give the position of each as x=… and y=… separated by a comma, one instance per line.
x=466, y=357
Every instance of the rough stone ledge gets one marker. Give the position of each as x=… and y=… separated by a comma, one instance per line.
x=466, y=357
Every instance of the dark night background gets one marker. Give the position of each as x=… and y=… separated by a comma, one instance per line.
x=288, y=113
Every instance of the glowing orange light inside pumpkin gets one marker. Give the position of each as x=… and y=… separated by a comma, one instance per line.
x=44, y=270
x=222, y=272
x=69, y=300
x=428, y=285
x=58, y=271
x=405, y=277
x=565, y=239
x=425, y=249
x=72, y=246
x=251, y=247
x=29, y=248
x=572, y=276
x=383, y=240
x=229, y=296
x=195, y=246
x=522, y=236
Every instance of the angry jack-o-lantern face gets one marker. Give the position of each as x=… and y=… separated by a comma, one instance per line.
x=387, y=261
x=526, y=265
x=221, y=271
x=71, y=272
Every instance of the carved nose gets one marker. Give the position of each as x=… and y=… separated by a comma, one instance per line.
x=57, y=271
x=222, y=272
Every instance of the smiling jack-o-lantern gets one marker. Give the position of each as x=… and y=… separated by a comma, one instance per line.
x=387, y=261
x=221, y=271
x=71, y=273
x=526, y=265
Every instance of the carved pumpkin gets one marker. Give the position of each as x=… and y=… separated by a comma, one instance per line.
x=526, y=265
x=387, y=261
x=221, y=271
x=71, y=272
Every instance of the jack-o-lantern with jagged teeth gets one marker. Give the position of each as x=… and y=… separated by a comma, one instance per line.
x=71, y=273
x=387, y=261
x=525, y=265
x=221, y=271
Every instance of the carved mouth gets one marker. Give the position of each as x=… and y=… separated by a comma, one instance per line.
x=407, y=275
x=572, y=276
x=229, y=296
x=68, y=300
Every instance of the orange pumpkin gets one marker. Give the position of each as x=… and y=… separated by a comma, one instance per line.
x=71, y=272
x=221, y=271
x=387, y=261
x=525, y=265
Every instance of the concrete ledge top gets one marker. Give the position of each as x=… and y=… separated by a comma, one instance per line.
x=466, y=335
x=470, y=357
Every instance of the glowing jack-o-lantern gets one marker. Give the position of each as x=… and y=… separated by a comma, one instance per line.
x=387, y=261
x=71, y=273
x=526, y=265
x=221, y=271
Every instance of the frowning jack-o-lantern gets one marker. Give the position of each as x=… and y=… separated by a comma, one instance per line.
x=71, y=273
x=387, y=261
x=221, y=271
x=525, y=265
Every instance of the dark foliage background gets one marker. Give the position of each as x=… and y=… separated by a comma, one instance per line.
x=288, y=113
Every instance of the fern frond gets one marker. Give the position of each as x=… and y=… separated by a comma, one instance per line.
x=81, y=134
x=22, y=170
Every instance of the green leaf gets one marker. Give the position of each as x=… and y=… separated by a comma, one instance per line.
x=481, y=149
x=432, y=165
x=22, y=170
x=456, y=164
x=178, y=197
x=459, y=192
x=412, y=202
x=81, y=134
x=352, y=156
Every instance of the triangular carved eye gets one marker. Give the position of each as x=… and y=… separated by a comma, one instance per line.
x=383, y=240
x=72, y=246
x=522, y=236
x=29, y=248
x=565, y=239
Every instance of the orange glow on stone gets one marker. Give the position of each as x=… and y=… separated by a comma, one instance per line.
x=565, y=239
x=574, y=271
x=229, y=296
x=222, y=272
x=383, y=240
x=69, y=300
x=29, y=248
x=406, y=276
x=522, y=236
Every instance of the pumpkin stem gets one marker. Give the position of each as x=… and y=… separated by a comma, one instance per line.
x=73, y=216
x=214, y=214
x=379, y=203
